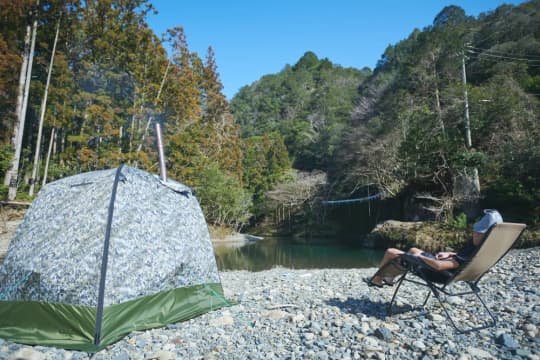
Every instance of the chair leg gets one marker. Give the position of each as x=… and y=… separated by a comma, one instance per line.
x=394, y=296
x=436, y=291
x=399, y=282
x=493, y=318
x=426, y=300
x=475, y=290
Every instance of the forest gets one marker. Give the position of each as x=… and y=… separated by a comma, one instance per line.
x=111, y=82
x=447, y=120
x=446, y=124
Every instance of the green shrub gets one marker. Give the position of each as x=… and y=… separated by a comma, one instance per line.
x=224, y=201
x=3, y=191
x=458, y=222
x=6, y=154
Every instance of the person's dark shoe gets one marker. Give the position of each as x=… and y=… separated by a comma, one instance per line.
x=370, y=283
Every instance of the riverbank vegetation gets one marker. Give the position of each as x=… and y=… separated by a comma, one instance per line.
x=313, y=132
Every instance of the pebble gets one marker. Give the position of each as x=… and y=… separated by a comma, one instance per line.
x=436, y=317
x=383, y=334
x=332, y=314
x=275, y=314
x=479, y=353
x=222, y=321
x=531, y=330
x=28, y=354
x=506, y=341
x=163, y=355
x=419, y=345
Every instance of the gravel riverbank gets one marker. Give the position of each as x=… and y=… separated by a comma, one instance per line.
x=332, y=314
x=7, y=229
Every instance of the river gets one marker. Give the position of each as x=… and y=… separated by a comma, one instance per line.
x=295, y=254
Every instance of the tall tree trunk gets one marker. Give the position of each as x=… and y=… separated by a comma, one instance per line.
x=21, y=117
x=155, y=103
x=20, y=97
x=135, y=124
x=42, y=114
x=48, y=159
x=437, y=98
x=135, y=127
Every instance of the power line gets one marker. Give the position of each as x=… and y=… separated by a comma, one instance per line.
x=485, y=39
x=497, y=52
x=505, y=61
x=479, y=57
x=503, y=56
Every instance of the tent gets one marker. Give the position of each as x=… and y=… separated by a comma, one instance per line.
x=104, y=253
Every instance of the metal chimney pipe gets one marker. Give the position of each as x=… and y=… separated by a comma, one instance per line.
x=162, y=169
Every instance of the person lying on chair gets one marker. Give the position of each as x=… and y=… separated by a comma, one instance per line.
x=442, y=260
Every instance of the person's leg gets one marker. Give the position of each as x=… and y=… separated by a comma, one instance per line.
x=415, y=251
x=389, y=255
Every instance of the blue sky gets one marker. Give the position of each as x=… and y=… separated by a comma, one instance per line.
x=258, y=37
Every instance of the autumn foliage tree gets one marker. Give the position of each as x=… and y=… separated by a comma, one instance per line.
x=111, y=82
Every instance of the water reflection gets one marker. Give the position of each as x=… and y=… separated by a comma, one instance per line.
x=290, y=253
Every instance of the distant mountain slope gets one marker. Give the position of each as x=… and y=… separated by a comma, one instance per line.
x=402, y=127
x=408, y=126
x=309, y=103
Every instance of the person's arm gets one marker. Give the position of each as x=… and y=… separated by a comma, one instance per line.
x=444, y=255
x=440, y=265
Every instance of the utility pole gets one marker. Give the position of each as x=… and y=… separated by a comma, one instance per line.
x=471, y=182
x=468, y=141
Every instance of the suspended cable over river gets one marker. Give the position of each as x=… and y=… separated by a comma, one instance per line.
x=355, y=200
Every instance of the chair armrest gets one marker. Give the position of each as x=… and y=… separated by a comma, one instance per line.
x=418, y=267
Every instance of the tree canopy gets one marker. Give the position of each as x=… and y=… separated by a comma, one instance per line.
x=308, y=104
x=402, y=127
x=408, y=125
x=112, y=81
x=396, y=129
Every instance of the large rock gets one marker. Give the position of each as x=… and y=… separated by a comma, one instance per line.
x=430, y=236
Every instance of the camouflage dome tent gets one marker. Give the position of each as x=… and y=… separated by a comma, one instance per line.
x=104, y=253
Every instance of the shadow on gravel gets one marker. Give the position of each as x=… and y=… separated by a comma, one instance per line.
x=366, y=306
x=377, y=309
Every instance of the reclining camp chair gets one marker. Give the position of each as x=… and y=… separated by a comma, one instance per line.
x=497, y=243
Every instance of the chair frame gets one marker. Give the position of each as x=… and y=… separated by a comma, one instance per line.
x=437, y=289
x=413, y=265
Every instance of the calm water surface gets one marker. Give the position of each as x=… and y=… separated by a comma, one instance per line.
x=295, y=254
